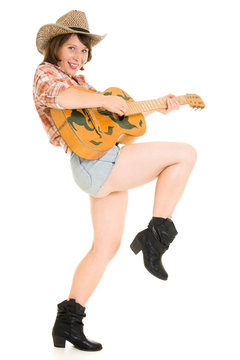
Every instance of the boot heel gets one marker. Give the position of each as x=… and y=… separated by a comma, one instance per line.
x=59, y=341
x=136, y=245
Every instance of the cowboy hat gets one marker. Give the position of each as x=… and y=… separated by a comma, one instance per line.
x=74, y=22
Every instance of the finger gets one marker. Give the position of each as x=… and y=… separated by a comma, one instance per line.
x=124, y=108
x=173, y=103
x=163, y=111
x=170, y=103
x=121, y=112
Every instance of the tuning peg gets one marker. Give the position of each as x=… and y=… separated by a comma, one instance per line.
x=196, y=108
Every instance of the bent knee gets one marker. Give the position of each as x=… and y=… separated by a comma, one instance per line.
x=189, y=154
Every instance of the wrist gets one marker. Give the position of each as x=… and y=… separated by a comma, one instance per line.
x=103, y=100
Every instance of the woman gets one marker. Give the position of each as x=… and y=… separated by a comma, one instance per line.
x=67, y=47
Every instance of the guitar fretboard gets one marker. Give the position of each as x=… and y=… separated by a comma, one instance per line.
x=150, y=105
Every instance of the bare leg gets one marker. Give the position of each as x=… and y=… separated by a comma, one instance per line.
x=172, y=180
x=108, y=215
x=137, y=164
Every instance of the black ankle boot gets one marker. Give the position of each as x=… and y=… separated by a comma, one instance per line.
x=69, y=326
x=153, y=242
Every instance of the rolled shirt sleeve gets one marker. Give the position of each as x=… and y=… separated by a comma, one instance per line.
x=49, y=81
x=47, y=88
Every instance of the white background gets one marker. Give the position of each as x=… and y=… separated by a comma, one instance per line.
x=153, y=48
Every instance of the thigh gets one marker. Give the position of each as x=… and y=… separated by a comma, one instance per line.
x=108, y=216
x=138, y=164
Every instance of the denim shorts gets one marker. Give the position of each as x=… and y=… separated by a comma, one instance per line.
x=90, y=175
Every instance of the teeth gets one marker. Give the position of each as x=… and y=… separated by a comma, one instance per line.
x=73, y=65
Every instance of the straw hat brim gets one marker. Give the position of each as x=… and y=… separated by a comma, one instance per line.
x=49, y=31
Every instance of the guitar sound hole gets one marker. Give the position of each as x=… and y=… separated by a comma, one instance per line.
x=117, y=117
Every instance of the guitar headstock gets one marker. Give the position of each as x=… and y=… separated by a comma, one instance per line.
x=194, y=101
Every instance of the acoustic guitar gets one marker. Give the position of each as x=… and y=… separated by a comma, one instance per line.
x=90, y=133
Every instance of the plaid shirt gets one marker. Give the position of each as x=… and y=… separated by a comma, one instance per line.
x=49, y=80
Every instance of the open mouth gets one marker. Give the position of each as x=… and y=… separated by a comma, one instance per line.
x=73, y=66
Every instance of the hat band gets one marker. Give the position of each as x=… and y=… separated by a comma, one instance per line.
x=79, y=29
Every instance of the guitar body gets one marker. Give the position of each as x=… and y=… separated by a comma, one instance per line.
x=89, y=133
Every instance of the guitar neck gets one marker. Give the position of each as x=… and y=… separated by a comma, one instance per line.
x=150, y=105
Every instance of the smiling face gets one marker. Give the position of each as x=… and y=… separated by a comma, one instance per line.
x=73, y=54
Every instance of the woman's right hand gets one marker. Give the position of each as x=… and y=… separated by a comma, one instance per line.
x=115, y=104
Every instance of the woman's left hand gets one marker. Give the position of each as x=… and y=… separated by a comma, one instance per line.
x=172, y=104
